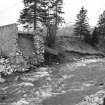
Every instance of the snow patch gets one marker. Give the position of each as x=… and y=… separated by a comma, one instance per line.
x=43, y=68
x=21, y=102
x=26, y=84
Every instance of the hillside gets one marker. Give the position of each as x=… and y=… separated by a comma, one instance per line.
x=66, y=43
x=68, y=30
x=75, y=44
x=72, y=48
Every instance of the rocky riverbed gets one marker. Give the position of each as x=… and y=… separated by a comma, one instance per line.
x=78, y=83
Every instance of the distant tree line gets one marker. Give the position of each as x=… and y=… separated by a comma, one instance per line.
x=82, y=28
x=99, y=31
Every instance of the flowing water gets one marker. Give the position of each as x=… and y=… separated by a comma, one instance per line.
x=64, y=84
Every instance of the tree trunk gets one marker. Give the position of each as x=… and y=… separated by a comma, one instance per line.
x=35, y=7
x=51, y=35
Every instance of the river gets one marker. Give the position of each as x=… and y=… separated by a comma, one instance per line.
x=65, y=84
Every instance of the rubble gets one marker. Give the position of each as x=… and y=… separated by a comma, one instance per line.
x=95, y=99
x=13, y=64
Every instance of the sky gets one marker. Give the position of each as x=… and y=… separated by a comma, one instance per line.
x=94, y=8
x=10, y=10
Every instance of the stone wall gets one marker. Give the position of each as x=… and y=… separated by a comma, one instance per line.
x=8, y=39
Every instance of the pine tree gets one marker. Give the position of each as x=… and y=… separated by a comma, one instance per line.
x=40, y=12
x=99, y=31
x=34, y=13
x=44, y=12
x=95, y=36
x=57, y=11
x=101, y=24
x=81, y=26
x=28, y=16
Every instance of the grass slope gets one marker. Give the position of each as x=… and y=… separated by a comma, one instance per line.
x=73, y=44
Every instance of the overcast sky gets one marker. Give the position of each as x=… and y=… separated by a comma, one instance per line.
x=94, y=7
x=10, y=10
